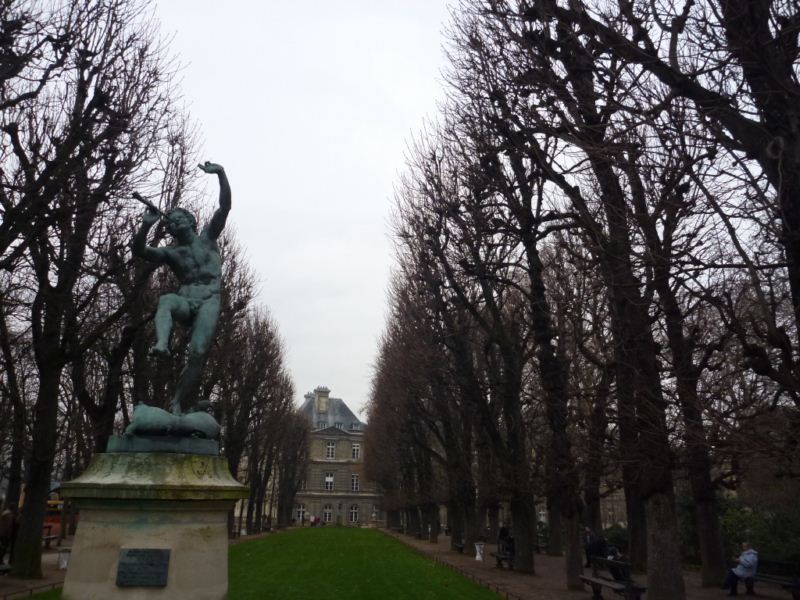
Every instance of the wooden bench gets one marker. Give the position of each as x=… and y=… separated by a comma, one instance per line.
x=618, y=579
x=459, y=547
x=504, y=557
x=5, y=569
x=776, y=572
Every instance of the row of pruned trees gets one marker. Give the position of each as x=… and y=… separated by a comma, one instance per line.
x=89, y=113
x=597, y=271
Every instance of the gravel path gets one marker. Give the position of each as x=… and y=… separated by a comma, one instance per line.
x=549, y=581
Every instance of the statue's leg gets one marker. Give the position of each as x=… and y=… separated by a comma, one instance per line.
x=169, y=306
x=205, y=324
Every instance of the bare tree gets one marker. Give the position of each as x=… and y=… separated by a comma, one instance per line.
x=68, y=154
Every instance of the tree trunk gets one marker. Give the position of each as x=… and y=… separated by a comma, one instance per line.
x=523, y=528
x=455, y=517
x=663, y=549
x=637, y=528
x=687, y=375
x=251, y=504
x=598, y=422
x=637, y=364
x=17, y=417
x=574, y=551
x=15, y=460
x=28, y=545
x=555, y=543
x=393, y=519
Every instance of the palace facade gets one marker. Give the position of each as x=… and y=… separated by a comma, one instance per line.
x=335, y=490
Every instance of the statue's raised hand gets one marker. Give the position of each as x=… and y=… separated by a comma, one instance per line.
x=210, y=167
x=150, y=217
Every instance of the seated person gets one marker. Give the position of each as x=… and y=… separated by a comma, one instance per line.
x=617, y=572
x=509, y=545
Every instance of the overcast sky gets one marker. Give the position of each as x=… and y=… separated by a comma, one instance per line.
x=310, y=106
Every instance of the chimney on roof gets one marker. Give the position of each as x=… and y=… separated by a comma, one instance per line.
x=321, y=395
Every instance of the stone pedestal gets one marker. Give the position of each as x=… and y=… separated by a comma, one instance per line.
x=144, y=501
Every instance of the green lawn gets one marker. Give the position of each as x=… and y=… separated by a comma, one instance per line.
x=51, y=595
x=340, y=563
x=331, y=563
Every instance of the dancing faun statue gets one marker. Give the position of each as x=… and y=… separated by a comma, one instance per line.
x=195, y=261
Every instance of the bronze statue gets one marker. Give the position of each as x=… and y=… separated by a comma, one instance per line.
x=195, y=260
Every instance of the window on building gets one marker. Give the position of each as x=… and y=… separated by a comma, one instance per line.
x=354, y=426
x=303, y=483
x=301, y=513
x=327, y=513
x=354, y=484
x=356, y=453
x=354, y=513
x=330, y=450
x=339, y=425
x=321, y=424
x=329, y=481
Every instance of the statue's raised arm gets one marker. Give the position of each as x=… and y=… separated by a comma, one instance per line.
x=139, y=245
x=217, y=223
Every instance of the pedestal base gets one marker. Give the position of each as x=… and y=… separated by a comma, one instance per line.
x=151, y=501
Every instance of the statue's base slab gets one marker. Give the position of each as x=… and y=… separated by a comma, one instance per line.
x=154, y=443
x=133, y=507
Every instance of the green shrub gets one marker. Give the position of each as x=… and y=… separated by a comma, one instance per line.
x=617, y=536
x=775, y=534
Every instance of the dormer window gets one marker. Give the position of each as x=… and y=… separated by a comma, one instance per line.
x=354, y=426
x=339, y=425
x=322, y=424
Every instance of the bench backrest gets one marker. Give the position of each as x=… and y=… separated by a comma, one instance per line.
x=778, y=568
x=619, y=570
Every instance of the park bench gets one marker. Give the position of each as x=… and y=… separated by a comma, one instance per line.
x=504, y=557
x=618, y=579
x=505, y=552
x=784, y=574
x=5, y=569
x=459, y=546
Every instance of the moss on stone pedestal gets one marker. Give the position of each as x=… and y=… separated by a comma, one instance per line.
x=155, y=476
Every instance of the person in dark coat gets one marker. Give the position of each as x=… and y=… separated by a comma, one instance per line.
x=593, y=545
x=502, y=539
x=8, y=526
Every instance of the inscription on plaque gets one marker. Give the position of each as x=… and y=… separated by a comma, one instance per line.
x=142, y=567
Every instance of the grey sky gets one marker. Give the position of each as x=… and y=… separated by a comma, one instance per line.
x=309, y=106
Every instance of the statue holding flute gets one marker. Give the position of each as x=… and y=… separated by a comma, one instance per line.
x=195, y=261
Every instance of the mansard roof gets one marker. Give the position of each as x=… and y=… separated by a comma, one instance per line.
x=338, y=412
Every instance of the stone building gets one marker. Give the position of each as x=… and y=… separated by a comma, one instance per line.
x=335, y=489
